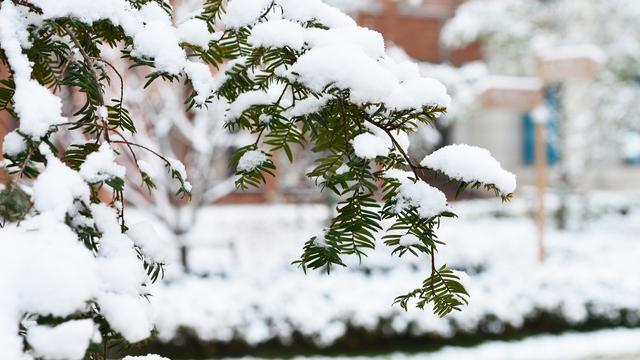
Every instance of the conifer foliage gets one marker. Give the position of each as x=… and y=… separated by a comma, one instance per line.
x=293, y=73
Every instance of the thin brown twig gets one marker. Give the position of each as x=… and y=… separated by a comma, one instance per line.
x=119, y=77
x=143, y=147
x=128, y=144
x=415, y=169
x=31, y=6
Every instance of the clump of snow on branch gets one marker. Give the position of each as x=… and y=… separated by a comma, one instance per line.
x=278, y=33
x=239, y=13
x=38, y=108
x=408, y=240
x=13, y=144
x=66, y=341
x=344, y=55
x=321, y=239
x=194, y=31
x=471, y=164
x=416, y=93
x=128, y=314
x=426, y=199
x=146, y=168
x=178, y=167
x=251, y=160
x=154, y=246
x=254, y=97
x=366, y=78
x=369, y=146
x=101, y=166
x=57, y=187
x=307, y=106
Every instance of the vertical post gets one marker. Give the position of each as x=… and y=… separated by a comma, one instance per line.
x=541, y=182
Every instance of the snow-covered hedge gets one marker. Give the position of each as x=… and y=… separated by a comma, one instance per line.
x=576, y=283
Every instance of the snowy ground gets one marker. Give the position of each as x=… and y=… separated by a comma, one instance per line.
x=252, y=293
x=619, y=344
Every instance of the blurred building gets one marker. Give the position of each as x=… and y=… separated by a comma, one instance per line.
x=415, y=26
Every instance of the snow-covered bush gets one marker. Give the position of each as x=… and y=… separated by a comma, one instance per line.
x=292, y=72
x=255, y=298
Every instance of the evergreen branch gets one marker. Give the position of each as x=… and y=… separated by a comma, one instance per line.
x=91, y=65
x=396, y=144
x=128, y=143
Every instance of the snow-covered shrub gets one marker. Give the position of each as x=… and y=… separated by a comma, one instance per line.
x=257, y=299
x=292, y=72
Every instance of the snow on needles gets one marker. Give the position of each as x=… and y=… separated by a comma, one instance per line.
x=368, y=79
x=470, y=164
x=277, y=33
x=66, y=341
x=100, y=166
x=57, y=187
x=13, y=144
x=369, y=146
x=426, y=199
x=408, y=240
x=154, y=37
x=154, y=246
x=194, y=31
x=251, y=160
x=344, y=55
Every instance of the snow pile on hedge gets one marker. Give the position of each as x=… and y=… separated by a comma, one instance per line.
x=261, y=297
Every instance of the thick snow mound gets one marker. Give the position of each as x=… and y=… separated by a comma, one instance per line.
x=369, y=146
x=470, y=164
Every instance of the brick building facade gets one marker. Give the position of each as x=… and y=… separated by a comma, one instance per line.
x=416, y=28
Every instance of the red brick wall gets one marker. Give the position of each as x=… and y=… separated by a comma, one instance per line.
x=417, y=29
